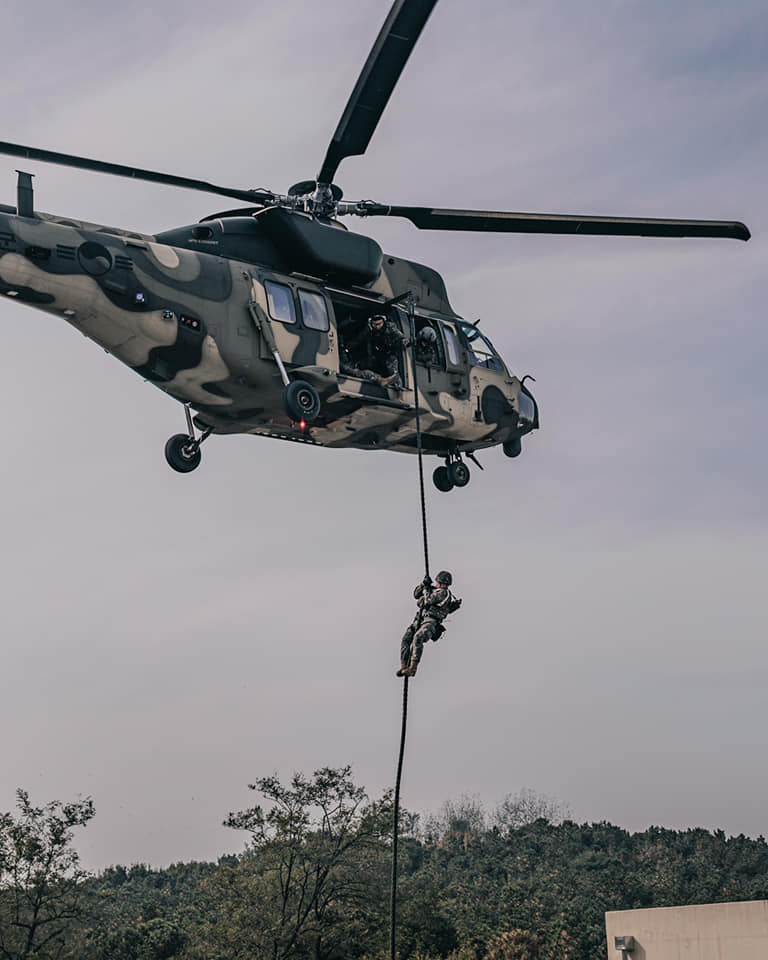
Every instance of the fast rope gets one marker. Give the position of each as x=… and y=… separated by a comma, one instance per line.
x=396, y=814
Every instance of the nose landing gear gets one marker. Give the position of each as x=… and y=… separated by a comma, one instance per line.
x=182, y=451
x=455, y=473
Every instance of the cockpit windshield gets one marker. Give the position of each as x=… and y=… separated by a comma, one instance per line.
x=481, y=351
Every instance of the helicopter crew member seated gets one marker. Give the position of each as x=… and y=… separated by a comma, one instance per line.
x=347, y=367
x=385, y=345
x=426, y=347
x=435, y=603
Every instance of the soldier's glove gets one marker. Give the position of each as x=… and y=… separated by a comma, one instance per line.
x=427, y=581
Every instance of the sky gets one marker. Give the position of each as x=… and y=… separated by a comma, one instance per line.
x=167, y=639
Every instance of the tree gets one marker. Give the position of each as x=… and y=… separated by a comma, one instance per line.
x=526, y=807
x=41, y=900
x=313, y=881
x=514, y=945
x=461, y=819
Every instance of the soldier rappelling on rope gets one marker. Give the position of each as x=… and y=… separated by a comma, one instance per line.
x=435, y=602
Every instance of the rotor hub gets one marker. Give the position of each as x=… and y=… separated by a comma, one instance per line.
x=319, y=199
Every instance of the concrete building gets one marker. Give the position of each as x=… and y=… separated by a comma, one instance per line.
x=712, y=931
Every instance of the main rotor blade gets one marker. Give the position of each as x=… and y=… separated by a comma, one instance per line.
x=136, y=173
x=376, y=82
x=429, y=218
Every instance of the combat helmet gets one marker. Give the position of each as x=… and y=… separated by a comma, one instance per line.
x=444, y=577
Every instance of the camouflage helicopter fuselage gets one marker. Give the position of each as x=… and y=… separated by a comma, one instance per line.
x=203, y=311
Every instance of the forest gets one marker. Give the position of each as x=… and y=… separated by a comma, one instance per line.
x=520, y=882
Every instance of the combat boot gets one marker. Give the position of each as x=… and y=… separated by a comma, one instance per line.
x=411, y=671
x=403, y=671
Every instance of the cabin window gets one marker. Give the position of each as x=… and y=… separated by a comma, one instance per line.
x=451, y=345
x=313, y=310
x=280, y=302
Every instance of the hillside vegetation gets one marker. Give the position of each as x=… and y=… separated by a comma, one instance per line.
x=524, y=882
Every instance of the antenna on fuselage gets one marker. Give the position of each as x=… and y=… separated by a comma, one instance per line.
x=25, y=195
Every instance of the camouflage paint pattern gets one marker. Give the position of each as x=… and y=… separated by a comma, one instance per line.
x=195, y=321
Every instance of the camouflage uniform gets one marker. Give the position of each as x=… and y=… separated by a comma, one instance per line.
x=384, y=347
x=433, y=602
x=427, y=353
x=348, y=368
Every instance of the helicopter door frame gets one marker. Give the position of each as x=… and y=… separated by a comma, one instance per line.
x=458, y=369
x=352, y=311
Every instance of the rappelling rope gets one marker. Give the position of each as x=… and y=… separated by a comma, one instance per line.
x=396, y=813
x=393, y=899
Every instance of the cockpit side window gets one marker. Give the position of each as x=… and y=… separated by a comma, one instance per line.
x=280, y=302
x=314, y=312
x=481, y=350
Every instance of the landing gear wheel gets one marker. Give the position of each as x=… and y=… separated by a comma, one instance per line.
x=442, y=479
x=183, y=453
x=301, y=401
x=513, y=447
x=459, y=473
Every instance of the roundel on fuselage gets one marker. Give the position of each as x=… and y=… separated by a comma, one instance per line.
x=94, y=258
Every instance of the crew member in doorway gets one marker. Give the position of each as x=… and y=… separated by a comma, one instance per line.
x=426, y=347
x=435, y=602
x=385, y=345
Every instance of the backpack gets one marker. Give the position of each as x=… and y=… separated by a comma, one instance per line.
x=453, y=603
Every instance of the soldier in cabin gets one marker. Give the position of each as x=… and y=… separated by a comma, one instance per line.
x=385, y=345
x=426, y=347
x=435, y=602
x=353, y=349
x=347, y=367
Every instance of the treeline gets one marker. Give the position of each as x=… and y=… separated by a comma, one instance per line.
x=524, y=882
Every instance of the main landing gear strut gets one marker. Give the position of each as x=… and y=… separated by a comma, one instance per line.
x=182, y=451
x=455, y=473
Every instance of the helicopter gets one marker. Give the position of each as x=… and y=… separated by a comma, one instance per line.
x=257, y=318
